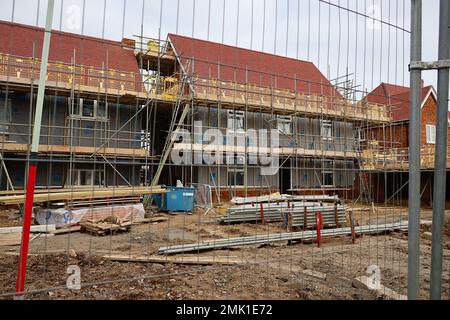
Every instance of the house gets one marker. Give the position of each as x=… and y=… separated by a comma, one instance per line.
x=110, y=109
x=238, y=91
x=89, y=135
x=387, y=146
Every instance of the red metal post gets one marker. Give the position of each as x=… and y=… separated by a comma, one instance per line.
x=305, y=218
x=336, y=216
x=261, y=209
x=318, y=227
x=352, y=226
x=21, y=270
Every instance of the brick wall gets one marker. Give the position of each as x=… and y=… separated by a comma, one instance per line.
x=429, y=117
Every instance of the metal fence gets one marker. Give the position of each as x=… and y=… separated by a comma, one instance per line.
x=316, y=151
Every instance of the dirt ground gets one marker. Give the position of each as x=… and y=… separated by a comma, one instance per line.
x=275, y=271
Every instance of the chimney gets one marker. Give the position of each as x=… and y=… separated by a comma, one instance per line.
x=129, y=43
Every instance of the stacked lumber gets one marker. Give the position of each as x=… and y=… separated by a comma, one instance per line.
x=110, y=225
x=79, y=194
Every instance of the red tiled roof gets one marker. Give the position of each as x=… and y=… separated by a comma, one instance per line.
x=227, y=63
x=395, y=96
x=18, y=39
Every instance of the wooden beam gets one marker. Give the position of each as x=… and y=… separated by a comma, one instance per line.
x=36, y=228
x=18, y=147
x=86, y=194
x=199, y=260
x=10, y=239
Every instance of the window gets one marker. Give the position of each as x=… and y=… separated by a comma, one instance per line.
x=88, y=178
x=236, y=159
x=327, y=174
x=101, y=109
x=89, y=109
x=431, y=134
x=284, y=124
x=326, y=129
x=235, y=120
x=236, y=177
x=5, y=113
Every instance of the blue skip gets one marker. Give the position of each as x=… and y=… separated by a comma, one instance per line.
x=177, y=199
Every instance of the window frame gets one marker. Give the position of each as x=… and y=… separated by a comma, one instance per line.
x=76, y=173
x=235, y=159
x=430, y=133
x=326, y=124
x=7, y=113
x=233, y=115
x=283, y=121
x=328, y=168
x=234, y=171
x=95, y=116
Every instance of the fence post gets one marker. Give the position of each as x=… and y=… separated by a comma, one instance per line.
x=414, y=153
x=440, y=155
x=261, y=209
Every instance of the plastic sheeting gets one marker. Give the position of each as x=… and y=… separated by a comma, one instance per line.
x=64, y=218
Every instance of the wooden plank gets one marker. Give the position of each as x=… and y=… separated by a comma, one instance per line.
x=194, y=260
x=10, y=239
x=17, y=147
x=65, y=189
x=86, y=194
x=151, y=220
x=35, y=228
x=66, y=230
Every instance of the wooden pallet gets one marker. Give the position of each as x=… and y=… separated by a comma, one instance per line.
x=110, y=225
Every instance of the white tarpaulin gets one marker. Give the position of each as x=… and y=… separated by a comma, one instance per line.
x=64, y=218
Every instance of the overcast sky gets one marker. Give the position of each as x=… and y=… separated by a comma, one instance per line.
x=336, y=40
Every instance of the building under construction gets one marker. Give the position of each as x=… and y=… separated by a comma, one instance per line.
x=110, y=108
x=113, y=111
x=217, y=171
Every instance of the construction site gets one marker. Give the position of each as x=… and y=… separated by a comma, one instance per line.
x=169, y=166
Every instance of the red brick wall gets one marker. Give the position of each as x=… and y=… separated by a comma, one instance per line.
x=429, y=117
x=393, y=136
x=397, y=136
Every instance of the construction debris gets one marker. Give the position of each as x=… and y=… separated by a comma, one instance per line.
x=288, y=236
x=110, y=225
x=367, y=283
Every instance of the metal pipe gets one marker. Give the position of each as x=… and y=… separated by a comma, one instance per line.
x=31, y=181
x=263, y=239
x=440, y=156
x=414, y=153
